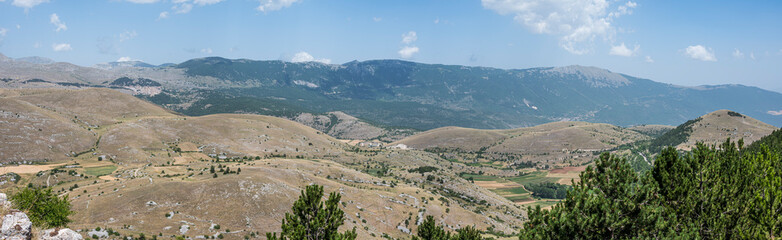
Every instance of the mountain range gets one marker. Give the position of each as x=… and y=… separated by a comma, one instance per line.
x=393, y=94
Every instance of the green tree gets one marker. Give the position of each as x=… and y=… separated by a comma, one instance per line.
x=711, y=192
x=429, y=230
x=311, y=220
x=766, y=202
x=43, y=207
x=605, y=204
x=467, y=233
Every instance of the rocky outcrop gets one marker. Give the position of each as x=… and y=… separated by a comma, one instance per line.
x=59, y=234
x=16, y=226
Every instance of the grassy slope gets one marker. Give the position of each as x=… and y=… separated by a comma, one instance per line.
x=145, y=167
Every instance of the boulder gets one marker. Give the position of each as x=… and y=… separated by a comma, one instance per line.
x=16, y=226
x=60, y=234
x=4, y=201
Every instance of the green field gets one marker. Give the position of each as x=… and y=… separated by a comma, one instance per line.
x=509, y=191
x=519, y=198
x=543, y=203
x=100, y=171
x=533, y=177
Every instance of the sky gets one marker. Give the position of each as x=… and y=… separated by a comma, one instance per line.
x=679, y=42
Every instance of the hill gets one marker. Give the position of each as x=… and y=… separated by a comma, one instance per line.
x=135, y=168
x=554, y=144
x=713, y=129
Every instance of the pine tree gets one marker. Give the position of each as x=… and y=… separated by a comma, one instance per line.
x=603, y=205
x=44, y=208
x=311, y=220
x=711, y=192
x=428, y=230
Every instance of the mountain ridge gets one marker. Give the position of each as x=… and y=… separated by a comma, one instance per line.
x=414, y=95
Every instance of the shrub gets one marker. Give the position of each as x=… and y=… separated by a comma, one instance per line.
x=43, y=207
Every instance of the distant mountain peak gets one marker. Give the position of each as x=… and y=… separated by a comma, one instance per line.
x=123, y=64
x=36, y=60
x=3, y=58
x=597, y=77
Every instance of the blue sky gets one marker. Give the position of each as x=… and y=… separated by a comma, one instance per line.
x=678, y=42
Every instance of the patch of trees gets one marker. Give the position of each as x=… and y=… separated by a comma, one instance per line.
x=125, y=81
x=422, y=169
x=734, y=114
x=527, y=164
x=548, y=190
x=772, y=141
x=716, y=192
x=673, y=137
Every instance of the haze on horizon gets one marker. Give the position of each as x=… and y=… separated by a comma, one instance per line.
x=679, y=42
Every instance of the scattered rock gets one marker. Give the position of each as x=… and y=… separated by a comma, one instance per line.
x=60, y=234
x=403, y=229
x=183, y=229
x=100, y=234
x=16, y=225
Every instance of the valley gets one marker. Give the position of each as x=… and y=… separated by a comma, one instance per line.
x=138, y=156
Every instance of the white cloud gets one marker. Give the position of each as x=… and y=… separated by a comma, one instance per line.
x=61, y=47
x=274, y=5
x=699, y=52
x=738, y=54
x=206, y=2
x=162, y=15
x=409, y=37
x=306, y=57
x=143, y=1
x=27, y=4
x=206, y=51
x=126, y=59
x=127, y=35
x=752, y=55
x=649, y=59
x=377, y=19
x=182, y=8
x=437, y=20
x=775, y=113
x=622, y=50
x=408, y=51
x=54, y=19
x=626, y=9
x=18, y=26
x=576, y=22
